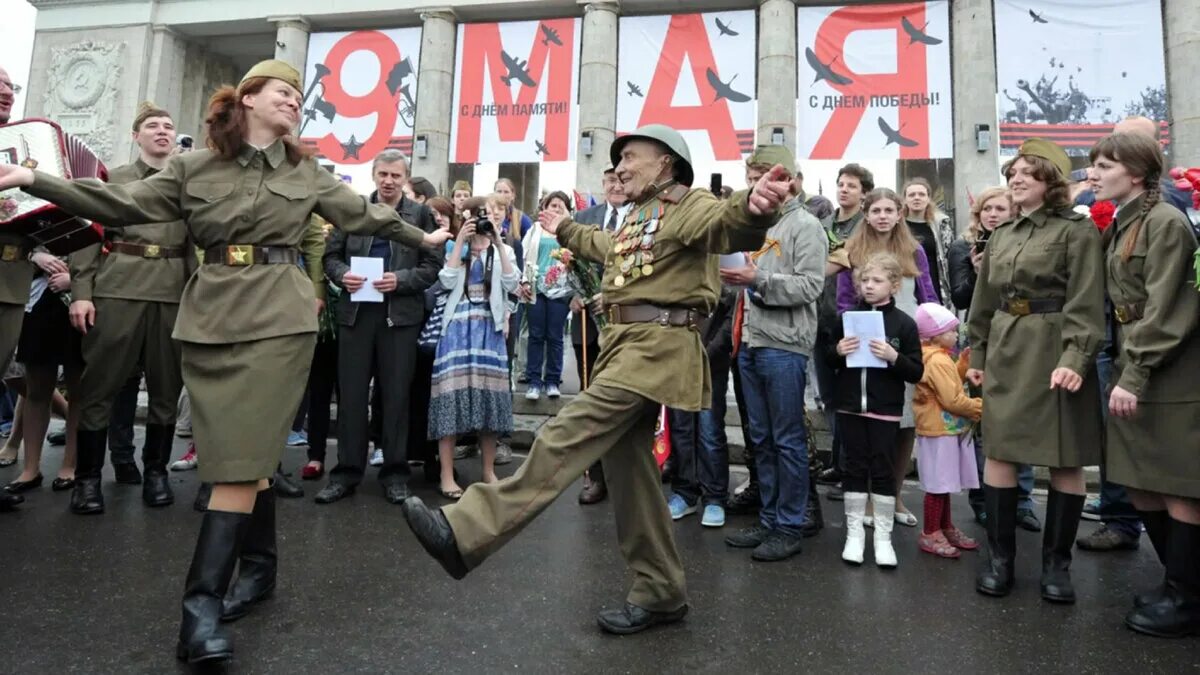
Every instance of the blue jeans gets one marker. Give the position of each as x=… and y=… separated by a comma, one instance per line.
x=773, y=384
x=547, y=318
x=1116, y=511
x=700, y=447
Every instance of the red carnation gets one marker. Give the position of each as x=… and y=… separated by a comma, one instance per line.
x=1102, y=214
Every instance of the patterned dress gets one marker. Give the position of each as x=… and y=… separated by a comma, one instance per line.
x=470, y=370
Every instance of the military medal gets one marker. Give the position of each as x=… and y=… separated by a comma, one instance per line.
x=634, y=245
x=647, y=270
x=619, y=281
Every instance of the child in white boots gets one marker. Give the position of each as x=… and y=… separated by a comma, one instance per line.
x=870, y=402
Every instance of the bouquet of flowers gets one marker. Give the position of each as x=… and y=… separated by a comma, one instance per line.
x=582, y=276
x=1188, y=180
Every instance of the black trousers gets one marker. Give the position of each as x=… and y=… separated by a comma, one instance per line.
x=869, y=446
x=419, y=445
x=120, y=425
x=322, y=382
x=595, y=471
x=372, y=348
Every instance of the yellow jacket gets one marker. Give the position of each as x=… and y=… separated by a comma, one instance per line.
x=941, y=406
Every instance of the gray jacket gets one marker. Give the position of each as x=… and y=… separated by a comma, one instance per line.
x=782, y=309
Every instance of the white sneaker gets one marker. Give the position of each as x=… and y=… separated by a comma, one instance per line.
x=856, y=536
x=377, y=457
x=552, y=391
x=533, y=394
x=885, y=520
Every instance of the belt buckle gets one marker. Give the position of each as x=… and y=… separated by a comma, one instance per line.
x=10, y=253
x=1122, y=315
x=664, y=317
x=1019, y=307
x=152, y=251
x=613, y=314
x=239, y=255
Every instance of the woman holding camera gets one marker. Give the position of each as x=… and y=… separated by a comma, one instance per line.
x=992, y=207
x=470, y=391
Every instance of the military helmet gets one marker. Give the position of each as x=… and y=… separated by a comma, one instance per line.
x=668, y=137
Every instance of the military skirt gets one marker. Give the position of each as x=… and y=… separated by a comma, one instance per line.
x=244, y=398
x=1158, y=450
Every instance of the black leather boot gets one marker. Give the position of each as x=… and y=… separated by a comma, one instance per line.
x=203, y=494
x=1062, y=524
x=1158, y=525
x=87, y=498
x=201, y=637
x=996, y=577
x=813, y=520
x=258, y=561
x=156, y=486
x=1176, y=613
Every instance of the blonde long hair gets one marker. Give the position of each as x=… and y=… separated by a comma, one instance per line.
x=975, y=227
x=867, y=241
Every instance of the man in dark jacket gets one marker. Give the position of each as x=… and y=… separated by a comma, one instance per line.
x=379, y=339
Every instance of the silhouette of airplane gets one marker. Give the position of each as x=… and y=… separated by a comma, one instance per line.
x=517, y=70
x=541, y=149
x=726, y=30
x=550, y=35
x=824, y=71
x=634, y=90
x=893, y=136
x=723, y=89
x=917, y=34
x=1037, y=18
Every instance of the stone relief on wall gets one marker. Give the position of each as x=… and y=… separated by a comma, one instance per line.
x=81, y=91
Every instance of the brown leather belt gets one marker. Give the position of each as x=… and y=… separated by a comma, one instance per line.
x=242, y=255
x=150, y=251
x=664, y=316
x=1025, y=307
x=1128, y=313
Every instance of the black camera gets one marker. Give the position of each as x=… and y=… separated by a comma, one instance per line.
x=186, y=142
x=981, y=242
x=484, y=226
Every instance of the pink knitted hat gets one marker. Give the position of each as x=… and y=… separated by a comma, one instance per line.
x=933, y=320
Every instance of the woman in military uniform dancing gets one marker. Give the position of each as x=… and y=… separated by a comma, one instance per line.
x=247, y=319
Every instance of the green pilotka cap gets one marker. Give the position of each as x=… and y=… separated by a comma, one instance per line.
x=275, y=69
x=770, y=155
x=1047, y=150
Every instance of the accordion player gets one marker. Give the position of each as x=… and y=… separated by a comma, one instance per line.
x=43, y=145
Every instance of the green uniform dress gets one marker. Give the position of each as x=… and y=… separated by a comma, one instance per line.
x=247, y=330
x=1051, y=256
x=641, y=366
x=16, y=273
x=1157, y=316
x=136, y=299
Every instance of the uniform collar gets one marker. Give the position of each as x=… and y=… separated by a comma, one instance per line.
x=275, y=153
x=1038, y=218
x=143, y=169
x=1130, y=211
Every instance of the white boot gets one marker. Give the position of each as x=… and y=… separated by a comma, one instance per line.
x=856, y=537
x=885, y=520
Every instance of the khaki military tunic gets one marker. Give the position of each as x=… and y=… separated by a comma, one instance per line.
x=16, y=273
x=1157, y=319
x=247, y=331
x=1043, y=255
x=640, y=367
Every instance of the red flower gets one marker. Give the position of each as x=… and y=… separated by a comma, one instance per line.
x=1102, y=214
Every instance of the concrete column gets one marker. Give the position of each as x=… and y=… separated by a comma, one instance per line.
x=1181, y=24
x=291, y=40
x=435, y=95
x=597, y=91
x=777, y=70
x=973, y=62
x=165, y=71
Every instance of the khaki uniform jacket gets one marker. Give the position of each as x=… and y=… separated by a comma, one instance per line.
x=130, y=277
x=1159, y=353
x=668, y=364
x=258, y=198
x=1043, y=255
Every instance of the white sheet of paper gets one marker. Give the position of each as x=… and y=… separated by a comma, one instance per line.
x=372, y=269
x=865, y=326
x=732, y=261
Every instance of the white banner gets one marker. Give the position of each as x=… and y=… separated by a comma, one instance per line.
x=1068, y=70
x=360, y=93
x=874, y=81
x=694, y=72
x=515, y=92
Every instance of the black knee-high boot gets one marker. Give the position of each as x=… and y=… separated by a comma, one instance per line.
x=1062, y=524
x=87, y=497
x=1175, y=613
x=258, y=561
x=996, y=577
x=201, y=636
x=1158, y=527
x=156, y=486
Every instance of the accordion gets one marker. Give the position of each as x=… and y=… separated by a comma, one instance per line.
x=42, y=145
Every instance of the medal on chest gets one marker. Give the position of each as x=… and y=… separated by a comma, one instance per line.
x=634, y=246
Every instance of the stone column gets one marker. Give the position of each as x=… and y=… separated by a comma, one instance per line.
x=291, y=40
x=1181, y=24
x=777, y=71
x=165, y=71
x=435, y=95
x=597, y=91
x=973, y=62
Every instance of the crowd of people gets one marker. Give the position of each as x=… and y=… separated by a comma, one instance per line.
x=1036, y=338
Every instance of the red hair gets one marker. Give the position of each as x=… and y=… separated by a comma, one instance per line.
x=227, y=122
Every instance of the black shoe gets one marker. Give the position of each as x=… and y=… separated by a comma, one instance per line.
x=203, y=494
x=1062, y=524
x=830, y=476
x=593, y=492
x=156, y=486
x=57, y=438
x=334, y=492
x=201, y=636
x=433, y=531
x=19, y=486
x=396, y=491
x=285, y=487
x=748, y=537
x=87, y=498
x=62, y=484
x=778, y=546
x=745, y=503
x=127, y=473
x=9, y=502
x=1176, y=613
x=1028, y=520
x=633, y=619
x=258, y=561
x=996, y=577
